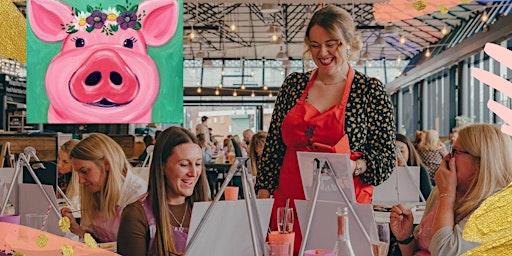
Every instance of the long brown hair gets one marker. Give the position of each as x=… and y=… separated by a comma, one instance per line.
x=414, y=157
x=164, y=148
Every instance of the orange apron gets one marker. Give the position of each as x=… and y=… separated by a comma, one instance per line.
x=303, y=126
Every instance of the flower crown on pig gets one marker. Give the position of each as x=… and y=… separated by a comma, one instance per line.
x=109, y=20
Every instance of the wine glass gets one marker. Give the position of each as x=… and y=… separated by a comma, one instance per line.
x=288, y=222
x=380, y=248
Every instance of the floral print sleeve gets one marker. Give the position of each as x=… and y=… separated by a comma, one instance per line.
x=370, y=125
x=274, y=150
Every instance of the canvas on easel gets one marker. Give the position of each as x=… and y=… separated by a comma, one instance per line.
x=329, y=192
x=328, y=184
x=227, y=231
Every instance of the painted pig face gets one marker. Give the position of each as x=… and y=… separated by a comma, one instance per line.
x=103, y=73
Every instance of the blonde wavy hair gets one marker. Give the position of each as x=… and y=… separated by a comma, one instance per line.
x=340, y=26
x=431, y=141
x=100, y=148
x=491, y=150
x=73, y=186
x=164, y=148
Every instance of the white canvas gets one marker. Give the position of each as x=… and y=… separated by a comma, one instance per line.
x=328, y=191
x=227, y=230
x=32, y=200
x=402, y=186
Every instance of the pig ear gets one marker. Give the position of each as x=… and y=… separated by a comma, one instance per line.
x=46, y=17
x=160, y=22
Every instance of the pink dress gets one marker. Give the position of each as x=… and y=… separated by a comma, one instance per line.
x=424, y=233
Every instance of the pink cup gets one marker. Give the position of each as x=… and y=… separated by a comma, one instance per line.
x=277, y=237
x=231, y=193
x=318, y=252
x=10, y=218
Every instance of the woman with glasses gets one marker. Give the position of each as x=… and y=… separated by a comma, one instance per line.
x=314, y=110
x=158, y=223
x=478, y=166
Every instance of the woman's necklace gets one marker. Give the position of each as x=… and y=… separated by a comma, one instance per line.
x=180, y=228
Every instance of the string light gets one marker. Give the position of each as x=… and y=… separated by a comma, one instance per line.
x=484, y=17
x=232, y=27
x=265, y=87
x=216, y=91
x=199, y=90
x=444, y=30
x=270, y=94
x=428, y=53
x=235, y=94
x=399, y=59
x=252, y=94
x=242, y=87
x=402, y=39
x=220, y=85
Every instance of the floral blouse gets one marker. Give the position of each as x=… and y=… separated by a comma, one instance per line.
x=369, y=123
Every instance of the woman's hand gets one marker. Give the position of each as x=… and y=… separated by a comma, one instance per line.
x=263, y=193
x=74, y=226
x=446, y=177
x=401, y=222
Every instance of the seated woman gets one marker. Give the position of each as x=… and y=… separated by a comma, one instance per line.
x=432, y=152
x=479, y=165
x=158, y=224
x=412, y=158
x=256, y=145
x=107, y=186
x=67, y=182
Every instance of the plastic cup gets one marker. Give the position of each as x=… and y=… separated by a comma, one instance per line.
x=277, y=237
x=36, y=220
x=318, y=252
x=231, y=193
x=280, y=248
x=10, y=218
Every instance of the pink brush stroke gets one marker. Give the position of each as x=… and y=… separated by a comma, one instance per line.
x=504, y=56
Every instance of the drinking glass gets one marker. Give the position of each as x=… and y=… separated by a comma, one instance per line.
x=380, y=248
x=288, y=222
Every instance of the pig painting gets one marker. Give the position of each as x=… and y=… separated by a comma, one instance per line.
x=103, y=72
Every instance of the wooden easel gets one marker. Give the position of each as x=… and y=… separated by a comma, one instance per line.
x=6, y=155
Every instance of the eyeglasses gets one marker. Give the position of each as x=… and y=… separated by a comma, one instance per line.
x=332, y=44
x=456, y=151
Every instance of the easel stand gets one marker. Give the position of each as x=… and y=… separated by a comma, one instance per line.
x=238, y=167
x=23, y=161
x=323, y=167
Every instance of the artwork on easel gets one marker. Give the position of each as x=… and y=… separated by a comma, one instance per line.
x=118, y=61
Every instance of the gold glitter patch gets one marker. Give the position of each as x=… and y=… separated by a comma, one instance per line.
x=13, y=36
x=67, y=250
x=490, y=225
x=89, y=241
x=64, y=224
x=42, y=240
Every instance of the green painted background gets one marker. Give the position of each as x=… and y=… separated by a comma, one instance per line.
x=168, y=107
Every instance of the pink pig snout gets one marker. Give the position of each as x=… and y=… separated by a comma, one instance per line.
x=105, y=80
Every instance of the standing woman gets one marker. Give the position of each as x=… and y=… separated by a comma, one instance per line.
x=107, y=185
x=323, y=105
x=158, y=223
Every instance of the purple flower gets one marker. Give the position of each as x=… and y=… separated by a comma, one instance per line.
x=97, y=19
x=126, y=20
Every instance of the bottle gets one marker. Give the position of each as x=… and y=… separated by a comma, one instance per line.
x=343, y=246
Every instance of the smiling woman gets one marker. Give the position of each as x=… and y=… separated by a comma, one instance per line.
x=158, y=223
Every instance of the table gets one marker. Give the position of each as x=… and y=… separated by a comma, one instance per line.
x=216, y=174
